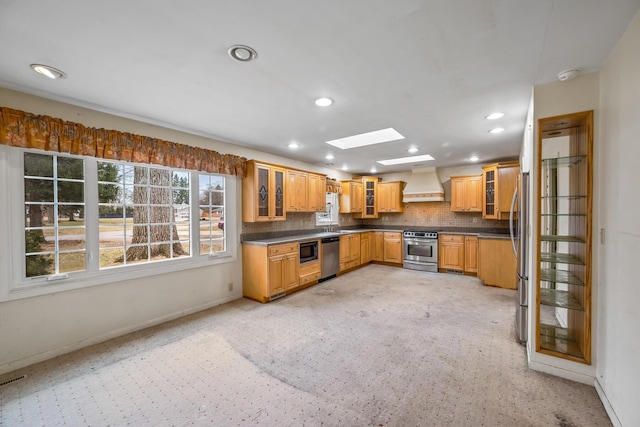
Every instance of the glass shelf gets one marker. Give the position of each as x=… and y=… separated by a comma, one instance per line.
x=574, y=197
x=559, y=276
x=554, y=238
x=562, y=299
x=559, y=258
x=558, y=162
x=555, y=338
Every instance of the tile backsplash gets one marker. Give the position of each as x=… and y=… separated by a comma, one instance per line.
x=424, y=214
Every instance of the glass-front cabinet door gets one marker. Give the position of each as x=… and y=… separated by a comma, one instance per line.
x=564, y=236
x=263, y=193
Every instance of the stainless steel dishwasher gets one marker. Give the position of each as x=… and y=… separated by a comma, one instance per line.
x=330, y=257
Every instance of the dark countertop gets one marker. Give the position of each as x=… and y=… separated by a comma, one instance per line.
x=266, y=239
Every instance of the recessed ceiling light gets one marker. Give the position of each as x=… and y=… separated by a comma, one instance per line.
x=402, y=160
x=242, y=53
x=369, y=138
x=494, y=116
x=473, y=158
x=345, y=168
x=47, y=71
x=373, y=170
x=496, y=130
x=324, y=102
x=294, y=145
x=329, y=157
x=413, y=150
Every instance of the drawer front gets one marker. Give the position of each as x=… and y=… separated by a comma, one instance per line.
x=451, y=238
x=308, y=278
x=282, y=249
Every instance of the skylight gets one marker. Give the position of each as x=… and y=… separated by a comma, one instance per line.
x=364, y=139
x=402, y=160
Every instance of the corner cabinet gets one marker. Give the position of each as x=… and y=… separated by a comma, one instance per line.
x=263, y=197
x=498, y=184
x=564, y=195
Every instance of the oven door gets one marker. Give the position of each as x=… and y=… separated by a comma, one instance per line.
x=421, y=250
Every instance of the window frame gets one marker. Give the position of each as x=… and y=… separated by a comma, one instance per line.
x=12, y=248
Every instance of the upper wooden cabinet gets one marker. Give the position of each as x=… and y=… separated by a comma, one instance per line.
x=263, y=193
x=390, y=196
x=369, y=189
x=317, y=190
x=351, y=198
x=498, y=183
x=466, y=193
x=297, y=190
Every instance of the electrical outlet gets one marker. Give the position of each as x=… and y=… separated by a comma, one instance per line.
x=230, y=286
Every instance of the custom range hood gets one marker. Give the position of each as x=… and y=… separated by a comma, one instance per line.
x=423, y=185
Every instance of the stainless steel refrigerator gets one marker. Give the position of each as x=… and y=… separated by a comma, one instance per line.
x=518, y=223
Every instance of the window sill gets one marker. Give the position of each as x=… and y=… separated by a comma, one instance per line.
x=80, y=280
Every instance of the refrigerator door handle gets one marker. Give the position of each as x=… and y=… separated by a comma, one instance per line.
x=511, y=212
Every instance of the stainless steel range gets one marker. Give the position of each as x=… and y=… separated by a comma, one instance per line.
x=420, y=250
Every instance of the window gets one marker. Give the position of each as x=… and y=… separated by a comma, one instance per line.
x=143, y=214
x=54, y=215
x=211, y=209
x=81, y=221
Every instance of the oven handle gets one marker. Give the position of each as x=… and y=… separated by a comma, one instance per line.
x=419, y=241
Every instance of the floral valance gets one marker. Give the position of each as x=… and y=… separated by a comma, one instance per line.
x=26, y=130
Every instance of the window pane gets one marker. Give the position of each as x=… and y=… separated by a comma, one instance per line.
x=138, y=194
x=40, y=265
x=211, y=210
x=109, y=172
x=111, y=257
x=70, y=191
x=70, y=168
x=72, y=261
x=160, y=196
x=140, y=234
x=111, y=235
x=38, y=190
x=109, y=193
x=38, y=165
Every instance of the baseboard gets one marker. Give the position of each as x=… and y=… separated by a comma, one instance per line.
x=562, y=373
x=607, y=405
x=41, y=357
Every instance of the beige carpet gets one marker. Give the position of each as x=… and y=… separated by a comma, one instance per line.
x=378, y=347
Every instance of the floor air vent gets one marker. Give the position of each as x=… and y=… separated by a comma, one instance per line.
x=276, y=296
x=12, y=380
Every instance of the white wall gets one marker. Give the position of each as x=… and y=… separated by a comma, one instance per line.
x=618, y=313
x=37, y=328
x=555, y=99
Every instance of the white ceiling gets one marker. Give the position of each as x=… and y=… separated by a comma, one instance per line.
x=430, y=69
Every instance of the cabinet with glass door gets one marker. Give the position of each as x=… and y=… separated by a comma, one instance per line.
x=564, y=237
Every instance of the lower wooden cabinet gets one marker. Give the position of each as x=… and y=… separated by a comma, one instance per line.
x=451, y=252
x=310, y=272
x=393, y=247
x=458, y=253
x=377, y=246
x=365, y=247
x=269, y=272
x=349, y=251
x=471, y=254
x=497, y=263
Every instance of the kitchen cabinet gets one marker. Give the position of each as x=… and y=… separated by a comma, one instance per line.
x=365, y=247
x=351, y=198
x=269, y=272
x=393, y=247
x=564, y=234
x=349, y=251
x=498, y=183
x=377, y=246
x=297, y=190
x=466, y=193
x=470, y=254
x=451, y=252
x=310, y=273
x=369, y=189
x=317, y=194
x=390, y=196
x=263, y=193
x=497, y=263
